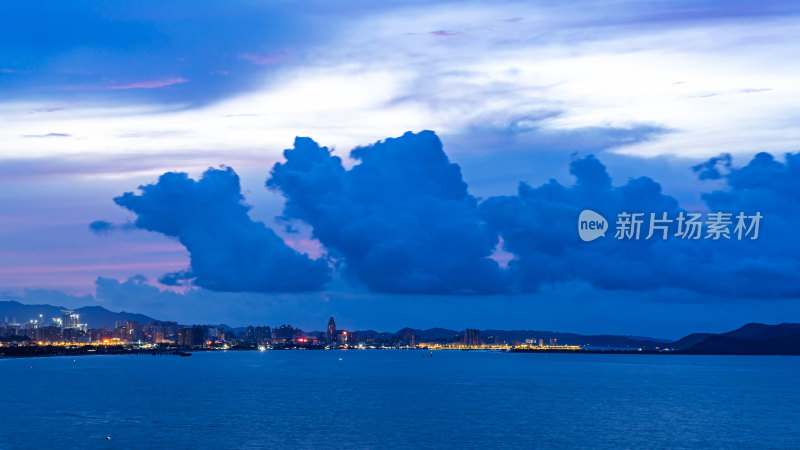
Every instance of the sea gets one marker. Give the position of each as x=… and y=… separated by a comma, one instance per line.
x=379, y=399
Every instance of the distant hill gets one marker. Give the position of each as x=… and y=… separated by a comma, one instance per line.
x=93, y=316
x=761, y=332
x=99, y=317
x=690, y=340
x=751, y=339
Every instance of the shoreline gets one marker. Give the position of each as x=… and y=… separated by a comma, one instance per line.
x=39, y=352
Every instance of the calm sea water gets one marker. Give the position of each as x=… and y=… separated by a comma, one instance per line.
x=400, y=398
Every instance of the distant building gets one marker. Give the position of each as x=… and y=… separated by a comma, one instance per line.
x=137, y=335
x=541, y=342
x=121, y=333
x=170, y=331
x=284, y=333
x=472, y=337
x=553, y=341
x=49, y=334
x=70, y=319
x=408, y=338
x=99, y=335
x=156, y=331
x=73, y=335
x=263, y=334
x=331, y=329
x=190, y=337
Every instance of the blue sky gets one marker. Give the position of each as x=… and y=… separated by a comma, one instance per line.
x=99, y=99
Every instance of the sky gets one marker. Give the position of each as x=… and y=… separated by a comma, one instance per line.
x=399, y=163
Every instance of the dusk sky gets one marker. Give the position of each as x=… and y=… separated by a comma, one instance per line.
x=399, y=163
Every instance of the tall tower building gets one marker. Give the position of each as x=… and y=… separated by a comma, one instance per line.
x=331, y=329
x=70, y=319
x=472, y=337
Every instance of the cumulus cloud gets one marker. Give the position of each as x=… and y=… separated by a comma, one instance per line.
x=710, y=170
x=772, y=188
x=538, y=225
x=180, y=278
x=228, y=250
x=402, y=219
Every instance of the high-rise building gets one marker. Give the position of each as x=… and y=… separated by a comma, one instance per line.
x=49, y=334
x=121, y=333
x=284, y=333
x=331, y=329
x=70, y=319
x=263, y=334
x=472, y=337
x=407, y=337
x=170, y=331
x=137, y=335
x=190, y=336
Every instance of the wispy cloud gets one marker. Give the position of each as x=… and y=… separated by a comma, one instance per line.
x=445, y=33
x=142, y=84
x=264, y=59
x=149, y=84
x=45, y=110
x=48, y=135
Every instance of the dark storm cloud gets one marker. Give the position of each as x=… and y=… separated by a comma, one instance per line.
x=538, y=226
x=709, y=170
x=180, y=278
x=228, y=250
x=401, y=219
x=773, y=188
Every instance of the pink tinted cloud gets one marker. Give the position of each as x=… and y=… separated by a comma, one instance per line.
x=310, y=247
x=263, y=59
x=79, y=278
x=445, y=33
x=71, y=268
x=501, y=256
x=145, y=84
x=149, y=84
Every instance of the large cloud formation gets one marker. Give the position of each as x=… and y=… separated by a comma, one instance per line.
x=229, y=251
x=401, y=219
x=538, y=226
